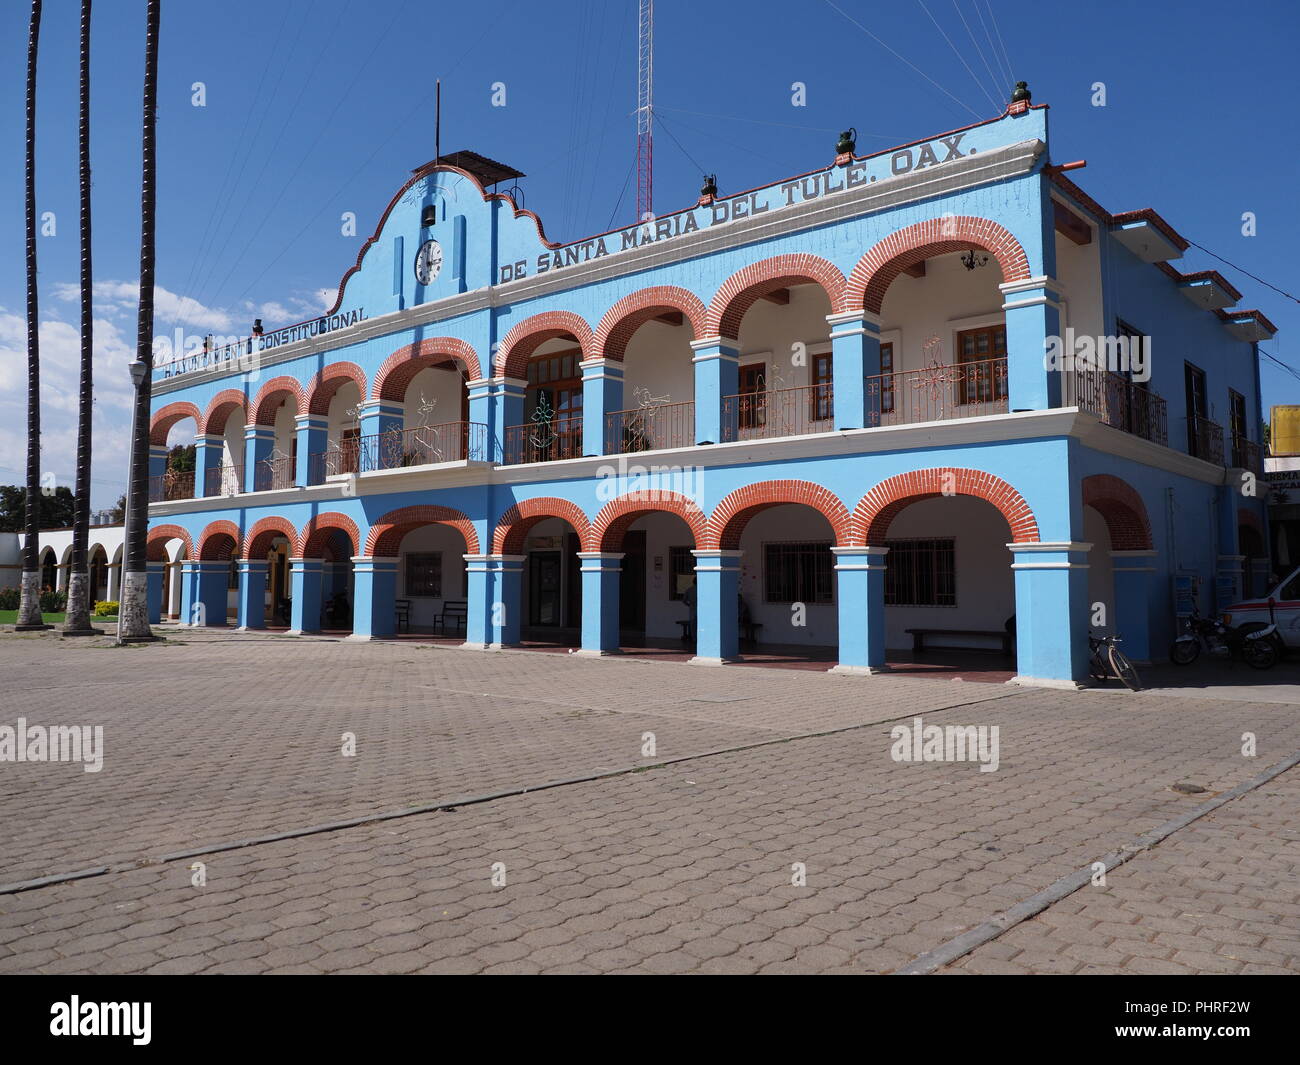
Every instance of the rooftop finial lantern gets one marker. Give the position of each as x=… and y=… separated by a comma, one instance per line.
x=846, y=146
x=1020, y=98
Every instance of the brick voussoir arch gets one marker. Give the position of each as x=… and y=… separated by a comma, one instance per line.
x=525, y=338
x=165, y=417
x=743, y=288
x=212, y=536
x=257, y=541
x=616, y=516
x=386, y=534
x=156, y=543
x=732, y=514
x=1125, y=513
x=223, y=405
x=402, y=365
x=261, y=410
x=878, y=268
x=875, y=511
x=513, y=525
x=311, y=541
x=328, y=380
x=635, y=309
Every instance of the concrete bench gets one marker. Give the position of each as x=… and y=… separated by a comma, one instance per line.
x=1001, y=635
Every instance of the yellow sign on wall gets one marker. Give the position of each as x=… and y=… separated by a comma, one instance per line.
x=1284, y=431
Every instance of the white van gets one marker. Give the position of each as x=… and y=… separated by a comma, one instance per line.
x=1254, y=614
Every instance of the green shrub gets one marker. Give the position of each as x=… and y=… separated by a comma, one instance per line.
x=10, y=598
x=54, y=602
x=106, y=609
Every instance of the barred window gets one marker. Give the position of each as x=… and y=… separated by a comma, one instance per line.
x=798, y=572
x=920, y=573
x=424, y=575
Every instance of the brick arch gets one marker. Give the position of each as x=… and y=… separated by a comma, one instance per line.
x=879, y=507
x=156, y=543
x=262, y=409
x=328, y=380
x=257, y=541
x=630, y=313
x=402, y=365
x=906, y=247
x=165, y=417
x=729, y=517
x=311, y=541
x=223, y=404
x=385, y=536
x=211, y=542
x=616, y=516
x=513, y=526
x=518, y=345
x=1121, y=506
x=750, y=284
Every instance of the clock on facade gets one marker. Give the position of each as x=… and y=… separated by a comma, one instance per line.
x=428, y=261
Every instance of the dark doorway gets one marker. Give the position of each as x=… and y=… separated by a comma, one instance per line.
x=1194, y=384
x=544, y=587
x=631, y=583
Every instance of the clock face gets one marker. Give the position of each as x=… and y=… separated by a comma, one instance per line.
x=428, y=262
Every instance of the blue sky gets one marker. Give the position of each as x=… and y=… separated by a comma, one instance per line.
x=317, y=107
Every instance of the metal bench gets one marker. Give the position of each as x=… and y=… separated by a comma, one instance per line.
x=1001, y=635
x=455, y=613
x=403, y=615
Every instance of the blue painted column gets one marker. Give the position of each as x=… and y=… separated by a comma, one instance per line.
x=507, y=606
x=478, y=601
x=212, y=581
x=860, y=599
x=377, y=417
x=259, y=442
x=717, y=607
x=1132, y=572
x=482, y=410
x=600, y=577
x=208, y=458
x=189, y=591
x=374, y=613
x=717, y=375
x=1052, y=613
x=154, y=590
x=1033, y=314
x=602, y=393
x=855, y=357
x=312, y=434
x=508, y=403
x=305, y=577
x=252, y=594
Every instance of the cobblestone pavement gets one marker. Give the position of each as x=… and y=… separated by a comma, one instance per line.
x=664, y=868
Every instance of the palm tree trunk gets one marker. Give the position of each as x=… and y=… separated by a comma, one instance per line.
x=133, y=611
x=78, y=618
x=29, y=605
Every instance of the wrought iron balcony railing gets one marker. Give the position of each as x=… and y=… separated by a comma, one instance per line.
x=1119, y=402
x=937, y=392
x=650, y=428
x=1247, y=455
x=1205, y=439
x=224, y=481
x=272, y=475
x=422, y=446
x=174, y=484
x=544, y=440
x=778, y=412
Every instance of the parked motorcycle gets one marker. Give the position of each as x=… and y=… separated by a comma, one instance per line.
x=1257, y=647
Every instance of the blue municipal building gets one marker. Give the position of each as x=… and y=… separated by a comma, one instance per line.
x=904, y=403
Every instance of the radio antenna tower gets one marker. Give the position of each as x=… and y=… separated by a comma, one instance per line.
x=645, y=112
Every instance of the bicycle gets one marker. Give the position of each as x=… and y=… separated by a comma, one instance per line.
x=1107, y=660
